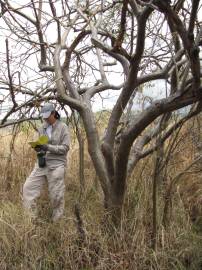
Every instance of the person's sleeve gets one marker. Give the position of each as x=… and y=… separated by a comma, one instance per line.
x=63, y=148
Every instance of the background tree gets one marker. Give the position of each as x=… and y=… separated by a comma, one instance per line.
x=72, y=51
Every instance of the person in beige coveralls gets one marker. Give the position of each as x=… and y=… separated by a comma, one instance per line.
x=53, y=170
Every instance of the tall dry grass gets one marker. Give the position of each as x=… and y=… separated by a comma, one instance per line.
x=44, y=245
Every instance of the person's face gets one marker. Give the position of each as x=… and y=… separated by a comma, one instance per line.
x=51, y=119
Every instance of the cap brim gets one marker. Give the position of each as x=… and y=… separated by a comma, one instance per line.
x=45, y=115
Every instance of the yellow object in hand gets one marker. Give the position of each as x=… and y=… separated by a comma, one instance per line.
x=41, y=140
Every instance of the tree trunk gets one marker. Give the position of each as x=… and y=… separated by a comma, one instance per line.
x=113, y=188
x=116, y=207
x=94, y=149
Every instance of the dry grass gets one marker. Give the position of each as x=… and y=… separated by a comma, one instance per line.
x=45, y=246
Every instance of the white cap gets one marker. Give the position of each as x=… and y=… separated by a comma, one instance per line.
x=46, y=110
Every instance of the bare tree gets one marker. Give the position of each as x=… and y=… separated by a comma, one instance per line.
x=71, y=51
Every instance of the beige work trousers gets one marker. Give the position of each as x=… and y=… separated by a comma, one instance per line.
x=56, y=188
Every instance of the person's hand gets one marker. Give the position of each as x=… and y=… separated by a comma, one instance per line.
x=43, y=147
x=37, y=148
